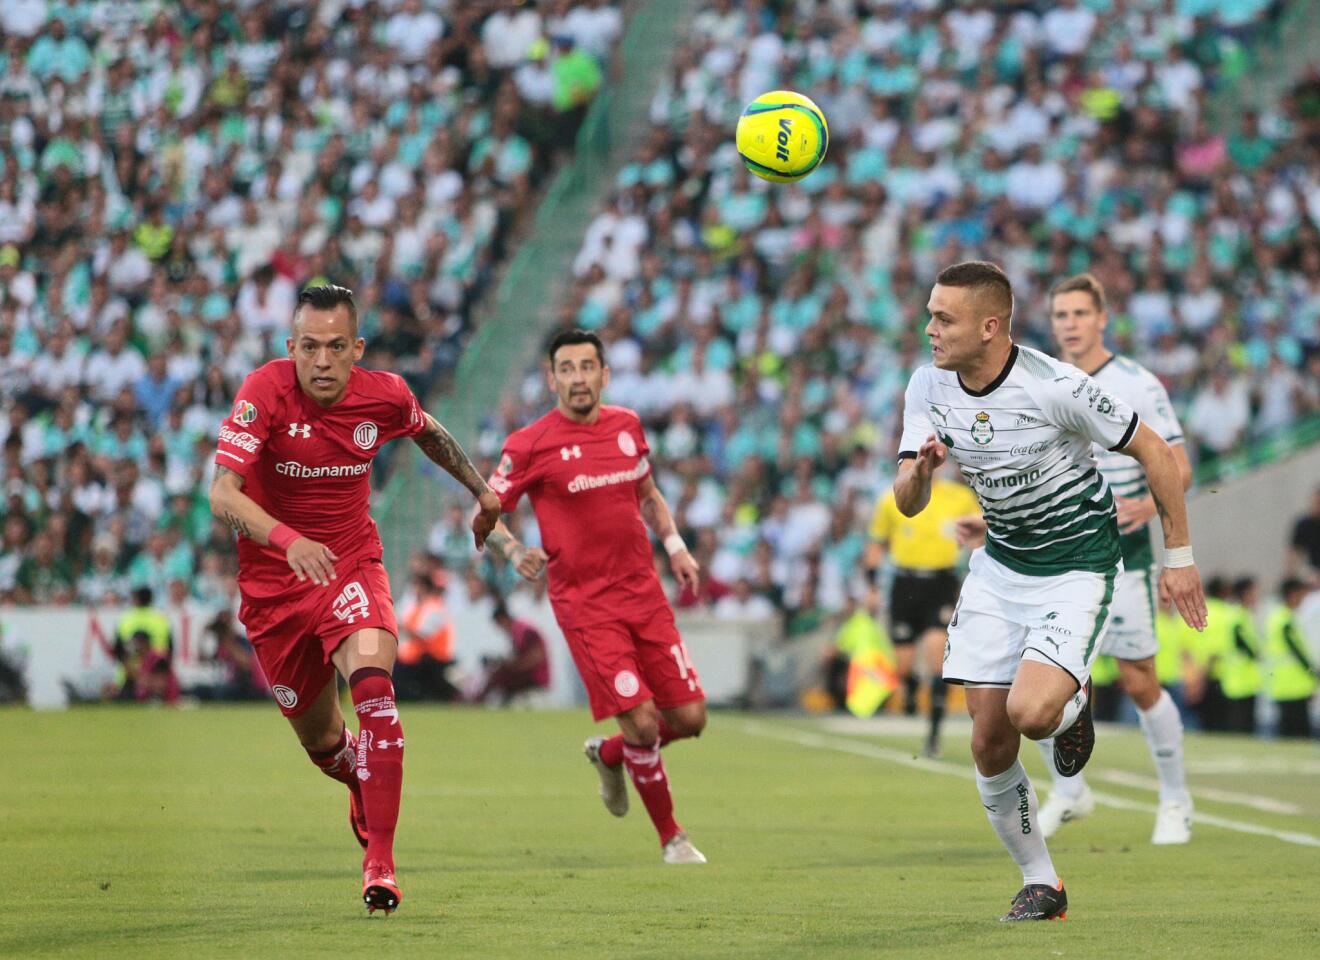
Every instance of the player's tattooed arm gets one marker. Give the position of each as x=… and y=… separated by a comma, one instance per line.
x=657, y=516
x=655, y=511
x=239, y=511
x=503, y=544
x=528, y=561
x=441, y=447
x=307, y=559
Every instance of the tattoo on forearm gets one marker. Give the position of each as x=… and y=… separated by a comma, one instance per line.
x=501, y=544
x=438, y=444
x=237, y=524
x=655, y=516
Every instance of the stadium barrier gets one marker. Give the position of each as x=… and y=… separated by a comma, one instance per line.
x=1241, y=521
x=64, y=649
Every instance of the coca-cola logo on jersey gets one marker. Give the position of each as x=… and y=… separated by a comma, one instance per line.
x=242, y=440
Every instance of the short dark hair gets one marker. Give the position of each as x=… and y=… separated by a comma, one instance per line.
x=500, y=611
x=983, y=277
x=1082, y=283
x=1242, y=585
x=568, y=338
x=142, y=596
x=1290, y=586
x=327, y=296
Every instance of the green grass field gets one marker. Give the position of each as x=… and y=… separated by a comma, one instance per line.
x=205, y=833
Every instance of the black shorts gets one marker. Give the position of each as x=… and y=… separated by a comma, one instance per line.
x=921, y=602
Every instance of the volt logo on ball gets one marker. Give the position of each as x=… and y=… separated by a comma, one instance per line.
x=782, y=136
x=785, y=128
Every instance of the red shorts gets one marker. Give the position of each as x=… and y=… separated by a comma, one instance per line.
x=294, y=638
x=627, y=662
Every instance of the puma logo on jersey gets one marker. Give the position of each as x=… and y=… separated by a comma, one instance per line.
x=303, y=430
x=571, y=453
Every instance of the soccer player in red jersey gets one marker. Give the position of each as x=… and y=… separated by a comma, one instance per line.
x=291, y=480
x=584, y=467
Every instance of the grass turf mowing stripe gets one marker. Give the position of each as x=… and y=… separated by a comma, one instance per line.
x=843, y=745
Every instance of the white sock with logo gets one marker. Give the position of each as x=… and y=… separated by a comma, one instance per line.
x=1163, y=728
x=1010, y=803
x=1071, y=710
x=1070, y=787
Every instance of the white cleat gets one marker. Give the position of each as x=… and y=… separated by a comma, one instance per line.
x=613, y=786
x=1058, y=810
x=679, y=849
x=1173, y=823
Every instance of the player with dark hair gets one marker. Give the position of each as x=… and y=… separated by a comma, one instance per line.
x=291, y=480
x=1035, y=605
x=584, y=465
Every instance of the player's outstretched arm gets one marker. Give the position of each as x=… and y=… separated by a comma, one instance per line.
x=1135, y=513
x=528, y=561
x=439, y=444
x=656, y=515
x=307, y=558
x=1180, y=581
x=912, y=487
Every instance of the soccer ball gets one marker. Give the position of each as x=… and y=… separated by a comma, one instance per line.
x=782, y=136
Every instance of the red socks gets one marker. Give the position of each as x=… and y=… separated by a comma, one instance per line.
x=379, y=758
x=611, y=751
x=340, y=761
x=648, y=776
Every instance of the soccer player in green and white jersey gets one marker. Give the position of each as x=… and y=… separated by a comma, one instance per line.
x=1077, y=313
x=1021, y=425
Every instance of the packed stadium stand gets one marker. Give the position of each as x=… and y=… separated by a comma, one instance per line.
x=172, y=174
x=766, y=333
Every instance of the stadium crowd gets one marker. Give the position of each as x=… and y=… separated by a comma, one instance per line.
x=171, y=174
x=765, y=333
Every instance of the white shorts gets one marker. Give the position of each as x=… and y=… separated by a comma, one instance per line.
x=1004, y=617
x=1131, y=633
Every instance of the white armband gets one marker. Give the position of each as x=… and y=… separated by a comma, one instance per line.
x=1178, y=557
x=674, y=544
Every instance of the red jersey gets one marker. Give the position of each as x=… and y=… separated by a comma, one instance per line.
x=308, y=466
x=582, y=479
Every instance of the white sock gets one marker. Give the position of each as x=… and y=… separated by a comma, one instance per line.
x=1071, y=709
x=1164, y=732
x=1010, y=803
x=1070, y=787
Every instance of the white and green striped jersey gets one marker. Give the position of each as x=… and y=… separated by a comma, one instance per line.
x=1143, y=391
x=1024, y=444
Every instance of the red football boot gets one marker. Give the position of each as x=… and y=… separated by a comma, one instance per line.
x=379, y=890
x=357, y=819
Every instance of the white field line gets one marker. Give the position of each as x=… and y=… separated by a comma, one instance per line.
x=874, y=752
x=849, y=726
x=1252, y=800
x=1232, y=766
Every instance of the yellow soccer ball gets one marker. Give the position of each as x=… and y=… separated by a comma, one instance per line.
x=782, y=136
